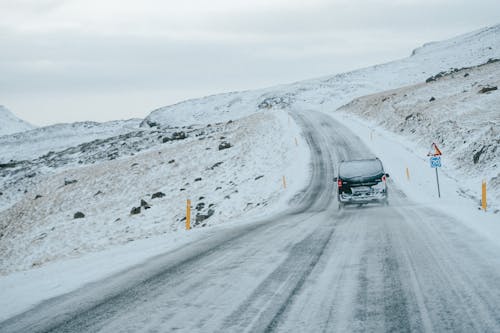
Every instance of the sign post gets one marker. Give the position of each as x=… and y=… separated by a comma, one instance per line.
x=435, y=160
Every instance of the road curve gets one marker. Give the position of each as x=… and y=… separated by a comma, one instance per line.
x=312, y=268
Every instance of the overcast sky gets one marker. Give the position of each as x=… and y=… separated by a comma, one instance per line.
x=69, y=60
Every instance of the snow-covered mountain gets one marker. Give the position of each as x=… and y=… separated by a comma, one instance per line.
x=10, y=124
x=227, y=152
x=36, y=142
x=330, y=92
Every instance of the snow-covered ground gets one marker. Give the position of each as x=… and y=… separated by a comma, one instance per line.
x=10, y=124
x=222, y=184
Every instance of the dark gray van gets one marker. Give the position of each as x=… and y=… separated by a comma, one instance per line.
x=361, y=182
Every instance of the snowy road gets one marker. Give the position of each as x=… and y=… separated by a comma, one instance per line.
x=399, y=268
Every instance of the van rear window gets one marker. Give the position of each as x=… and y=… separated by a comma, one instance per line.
x=361, y=168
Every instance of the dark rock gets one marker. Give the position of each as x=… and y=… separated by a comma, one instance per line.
x=201, y=198
x=144, y=204
x=432, y=99
x=157, y=195
x=31, y=175
x=171, y=161
x=164, y=140
x=8, y=165
x=224, y=145
x=466, y=74
x=202, y=217
x=150, y=123
x=259, y=177
x=69, y=182
x=179, y=135
x=280, y=102
x=182, y=189
x=135, y=211
x=477, y=155
x=38, y=196
x=487, y=89
x=215, y=165
x=198, y=179
x=200, y=206
x=1, y=193
x=98, y=193
x=134, y=164
x=218, y=188
x=79, y=215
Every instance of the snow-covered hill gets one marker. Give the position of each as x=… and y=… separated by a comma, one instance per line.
x=330, y=92
x=10, y=124
x=227, y=169
x=31, y=144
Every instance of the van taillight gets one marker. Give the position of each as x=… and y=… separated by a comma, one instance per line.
x=339, y=183
x=383, y=178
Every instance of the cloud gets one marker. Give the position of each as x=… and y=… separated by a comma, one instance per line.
x=118, y=47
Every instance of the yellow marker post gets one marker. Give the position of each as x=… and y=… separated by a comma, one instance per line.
x=407, y=174
x=483, y=196
x=188, y=214
x=284, y=182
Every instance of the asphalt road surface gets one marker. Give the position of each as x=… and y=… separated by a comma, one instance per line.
x=312, y=268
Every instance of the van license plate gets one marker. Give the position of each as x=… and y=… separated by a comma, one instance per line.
x=360, y=189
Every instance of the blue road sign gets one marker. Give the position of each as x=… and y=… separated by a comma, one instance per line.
x=435, y=161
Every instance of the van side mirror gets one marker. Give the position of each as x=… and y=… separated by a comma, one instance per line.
x=387, y=175
x=335, y=179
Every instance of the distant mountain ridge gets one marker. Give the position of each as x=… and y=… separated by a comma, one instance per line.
x=10, y=124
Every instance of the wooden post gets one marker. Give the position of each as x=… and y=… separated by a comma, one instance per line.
x=483, y=196
x=188, y=214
